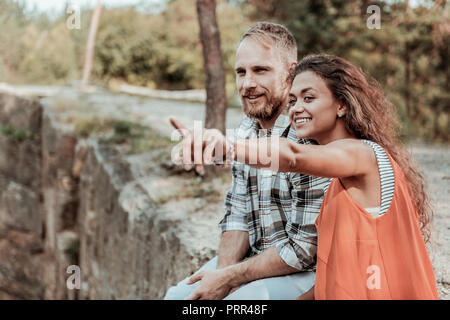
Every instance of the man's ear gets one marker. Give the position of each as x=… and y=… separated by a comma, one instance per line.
x=292, y=66
x=291, y=71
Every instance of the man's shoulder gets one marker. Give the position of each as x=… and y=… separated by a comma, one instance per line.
x=245, y=128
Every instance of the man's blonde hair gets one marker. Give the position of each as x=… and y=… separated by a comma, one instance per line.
x=279, y=34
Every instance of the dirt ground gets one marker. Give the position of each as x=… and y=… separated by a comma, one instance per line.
x=434, y=161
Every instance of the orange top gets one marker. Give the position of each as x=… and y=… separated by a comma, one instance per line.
x=361, y=257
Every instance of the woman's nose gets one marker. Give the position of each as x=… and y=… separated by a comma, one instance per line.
x=298, y=107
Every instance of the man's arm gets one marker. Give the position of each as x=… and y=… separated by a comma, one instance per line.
x=265, y=265
x=234, y=242
x=233, y=247
x=217, y=284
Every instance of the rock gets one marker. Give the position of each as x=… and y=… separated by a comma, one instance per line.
x=20, y=275
x=19, y=207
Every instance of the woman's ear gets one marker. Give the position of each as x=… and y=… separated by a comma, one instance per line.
x=342, y=110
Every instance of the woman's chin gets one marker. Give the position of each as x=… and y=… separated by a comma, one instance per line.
x=303, y=134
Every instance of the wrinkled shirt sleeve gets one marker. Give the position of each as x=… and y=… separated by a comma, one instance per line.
x=236, y=202
x=299, y=250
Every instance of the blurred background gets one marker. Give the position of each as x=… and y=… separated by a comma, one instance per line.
x=156, y=44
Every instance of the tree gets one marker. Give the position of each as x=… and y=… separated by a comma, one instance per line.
x=91, y=44
x=409, y=55
x=13, y=21
x=216, y=99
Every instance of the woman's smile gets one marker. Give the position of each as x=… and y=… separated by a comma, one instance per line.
x=300, y=122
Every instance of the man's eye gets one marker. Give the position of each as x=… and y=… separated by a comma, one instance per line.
x=260, y=70
x=308, y=98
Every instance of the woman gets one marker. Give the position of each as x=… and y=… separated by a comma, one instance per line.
x=375, y=215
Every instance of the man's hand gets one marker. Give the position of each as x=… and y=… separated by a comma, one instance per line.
x=214, y=285
x=200, y=147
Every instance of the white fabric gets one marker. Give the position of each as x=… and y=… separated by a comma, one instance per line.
x=286, y=287
x=374, y=211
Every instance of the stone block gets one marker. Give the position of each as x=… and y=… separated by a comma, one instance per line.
x=19, y=207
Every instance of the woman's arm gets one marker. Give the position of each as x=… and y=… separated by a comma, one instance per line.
x=340, y=158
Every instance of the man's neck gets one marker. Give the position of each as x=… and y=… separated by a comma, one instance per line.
x=268, y=124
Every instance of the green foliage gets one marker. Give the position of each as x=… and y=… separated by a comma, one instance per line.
x=409, y=56
x=162, y=51
x=135, y=137
x=85, y=127
x=18, y=135
x=12, y=23
x=51, y=58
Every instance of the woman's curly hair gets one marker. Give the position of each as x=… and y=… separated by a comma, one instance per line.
x=370, y=115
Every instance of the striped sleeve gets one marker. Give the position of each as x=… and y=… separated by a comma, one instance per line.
x=387, y=181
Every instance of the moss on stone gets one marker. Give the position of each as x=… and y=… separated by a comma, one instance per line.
x=15, y=134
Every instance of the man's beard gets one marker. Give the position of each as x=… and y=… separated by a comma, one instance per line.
x=266, y=112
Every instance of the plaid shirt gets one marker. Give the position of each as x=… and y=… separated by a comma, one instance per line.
x=275, y=208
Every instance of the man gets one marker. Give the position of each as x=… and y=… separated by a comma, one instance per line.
x=268, y=242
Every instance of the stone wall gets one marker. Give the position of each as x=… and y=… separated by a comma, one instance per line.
x=21, y=232
x=67, y=201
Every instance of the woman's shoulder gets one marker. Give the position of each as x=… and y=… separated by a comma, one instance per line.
x=359, y=147
x=363, y=155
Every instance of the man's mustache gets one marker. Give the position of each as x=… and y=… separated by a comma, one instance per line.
x=252, y=93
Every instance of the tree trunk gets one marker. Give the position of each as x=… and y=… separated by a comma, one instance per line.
x=216, y=98
x=89, y=58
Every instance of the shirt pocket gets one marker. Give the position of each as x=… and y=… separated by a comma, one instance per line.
x=239, y=180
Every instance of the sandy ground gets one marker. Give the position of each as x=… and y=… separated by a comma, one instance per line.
x=434, y=162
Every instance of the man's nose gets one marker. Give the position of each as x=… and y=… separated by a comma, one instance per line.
x=249, y=82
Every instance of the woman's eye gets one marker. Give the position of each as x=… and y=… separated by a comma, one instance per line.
x=292, y=102
x=308, y=99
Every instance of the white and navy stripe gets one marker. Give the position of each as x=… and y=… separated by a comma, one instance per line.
x=387, y=180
